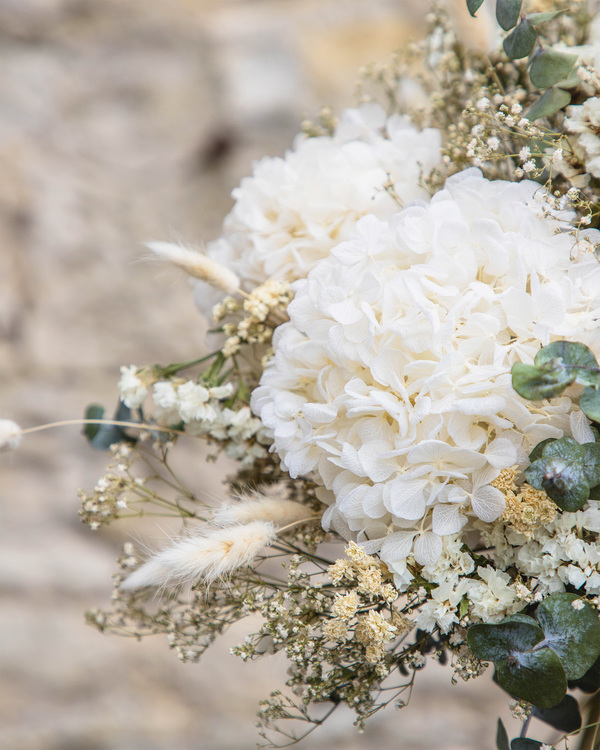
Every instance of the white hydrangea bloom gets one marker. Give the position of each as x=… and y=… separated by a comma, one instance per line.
x=391, y=383
x=290, y=213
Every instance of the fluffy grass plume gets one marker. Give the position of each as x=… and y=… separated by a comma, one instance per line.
x=275, y=510
x=10, y=435
x=196, y=264
x=206, y=555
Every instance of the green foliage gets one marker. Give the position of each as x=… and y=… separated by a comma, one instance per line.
x=558, y=618
x=590, y=682
x=566, y=472
x=537, y=19
x=502, y=737
x=102, y=436
x=536, y=383
x=549, y=103
x=565, y=716
x=533, y=660
x=557, y=366
x=524, y=743
x=473, y=6
x=521, y=41
x=507, y=13
x=514, y=633
x=550, y=67
x=590, y=403
x=577, y=358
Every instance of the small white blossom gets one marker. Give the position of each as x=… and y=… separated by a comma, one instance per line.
x=132, y=389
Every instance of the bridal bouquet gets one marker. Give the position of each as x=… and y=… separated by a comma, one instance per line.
x=405, y=330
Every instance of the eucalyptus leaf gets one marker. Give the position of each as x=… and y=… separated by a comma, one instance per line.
x=507, y=13
x=525, y=743
x=521, y=41
x=539, y=448
x=591, y=464
x=552, y=101
x=590, y=682
x=589, y=401
x=573, y=634
x=565, y=716
x=535, y=676
x=93, y=411
x=575, y=357
x=498, y=641
x=105, y=435
x=536, y=383
x=550, y=67
x=538, y=18
x=560, y=471
x=502, y=737
x=473, y=6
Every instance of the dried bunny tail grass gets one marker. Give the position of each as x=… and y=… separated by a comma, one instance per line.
x=197, y=264
x=10, y=435
x=209, y=554
x=273, y=510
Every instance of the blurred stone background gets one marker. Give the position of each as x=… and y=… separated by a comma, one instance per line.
x=122, y=121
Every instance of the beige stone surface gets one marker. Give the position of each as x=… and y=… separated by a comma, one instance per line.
x=122, y=121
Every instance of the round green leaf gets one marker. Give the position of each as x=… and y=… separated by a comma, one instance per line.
x=534, y=676
x=565, y=716
x=507, y=13
x=589, y=401
x=591, y=463
x=539, y=449
x=520, y=42
x=550, y=67
x=514, y=634
x=575, y=357
x=552, y=101
x=536, y=383
x=573, y=634
x=590, y=682
x=561, y=473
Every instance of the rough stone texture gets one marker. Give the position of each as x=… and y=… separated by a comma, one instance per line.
x=120, y=122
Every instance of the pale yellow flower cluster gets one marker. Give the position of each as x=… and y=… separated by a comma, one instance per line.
x=526, y=508
x=373, y=631
x=370, y=575
x=262, y=311
x=368, y=579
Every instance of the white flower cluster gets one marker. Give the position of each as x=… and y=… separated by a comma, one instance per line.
x=293, y=210
x=131, y=387
x=391, y=383
x=203, y=413
x=490, y=599
x=557, y=554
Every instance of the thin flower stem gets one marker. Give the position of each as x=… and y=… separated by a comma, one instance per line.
x=114, y=422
